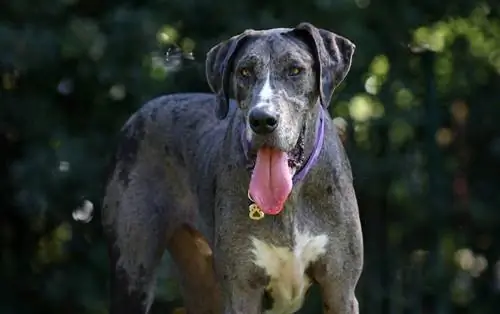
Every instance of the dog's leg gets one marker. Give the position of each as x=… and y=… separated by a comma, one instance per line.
x=134, y=220
x=337, y=279
x=132, y=291
x=242, y=286
x=241, y=300
x=336, y=300
x=193, y=257
x=136, y=244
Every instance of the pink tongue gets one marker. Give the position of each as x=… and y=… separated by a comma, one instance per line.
x=271, y=181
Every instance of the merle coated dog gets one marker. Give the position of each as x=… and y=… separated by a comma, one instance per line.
x=249, y=189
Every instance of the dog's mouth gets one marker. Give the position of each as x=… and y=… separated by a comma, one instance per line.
x=272, y=171
x=295, y=156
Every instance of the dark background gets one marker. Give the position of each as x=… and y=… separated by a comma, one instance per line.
x=422, y=104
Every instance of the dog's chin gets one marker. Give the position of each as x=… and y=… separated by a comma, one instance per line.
x=295, y=154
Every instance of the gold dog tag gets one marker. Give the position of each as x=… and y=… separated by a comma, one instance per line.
x=254, y=211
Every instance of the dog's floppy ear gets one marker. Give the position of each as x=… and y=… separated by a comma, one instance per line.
x=218, y=67
x=333, y=54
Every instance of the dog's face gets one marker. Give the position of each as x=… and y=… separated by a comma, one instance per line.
x=277, y=77
x=274, y=85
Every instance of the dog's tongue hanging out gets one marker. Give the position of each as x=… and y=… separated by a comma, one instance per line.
x=271, y=181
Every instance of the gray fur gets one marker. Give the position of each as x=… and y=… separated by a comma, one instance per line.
x=180, y=164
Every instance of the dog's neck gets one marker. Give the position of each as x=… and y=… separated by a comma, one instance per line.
x=314, y=138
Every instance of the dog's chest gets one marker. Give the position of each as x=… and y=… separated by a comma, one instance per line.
x=286, y=268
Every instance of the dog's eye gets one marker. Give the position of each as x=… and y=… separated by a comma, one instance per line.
x=294, y=71
x=245, y=72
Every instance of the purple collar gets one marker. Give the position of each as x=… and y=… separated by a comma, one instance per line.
x=318, y=144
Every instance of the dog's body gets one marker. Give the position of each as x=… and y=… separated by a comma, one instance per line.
x=182, y=177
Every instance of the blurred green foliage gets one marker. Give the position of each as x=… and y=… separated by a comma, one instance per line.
x=421, y=105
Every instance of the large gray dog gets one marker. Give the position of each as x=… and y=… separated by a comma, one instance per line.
x=253, y=198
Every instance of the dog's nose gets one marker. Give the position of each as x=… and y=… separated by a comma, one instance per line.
x=262, y=121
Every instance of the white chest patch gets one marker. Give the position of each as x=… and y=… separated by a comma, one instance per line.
x=286, y=268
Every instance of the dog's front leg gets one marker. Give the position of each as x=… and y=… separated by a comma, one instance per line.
x=338, y=298
x=240, y=299
x=337, y=276
x=337, y=292
x=242, y=284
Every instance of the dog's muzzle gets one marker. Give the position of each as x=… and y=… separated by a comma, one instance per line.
x=297, y=160
x=296, y=156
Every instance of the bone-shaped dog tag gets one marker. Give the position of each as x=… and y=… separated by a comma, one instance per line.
x=254, y=211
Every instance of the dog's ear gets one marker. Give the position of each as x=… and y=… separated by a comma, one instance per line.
x=333, y=54
x=218, y=68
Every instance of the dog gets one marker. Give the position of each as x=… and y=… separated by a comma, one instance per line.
x=249, y=189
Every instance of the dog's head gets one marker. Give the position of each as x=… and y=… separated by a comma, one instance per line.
x=278, y=77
